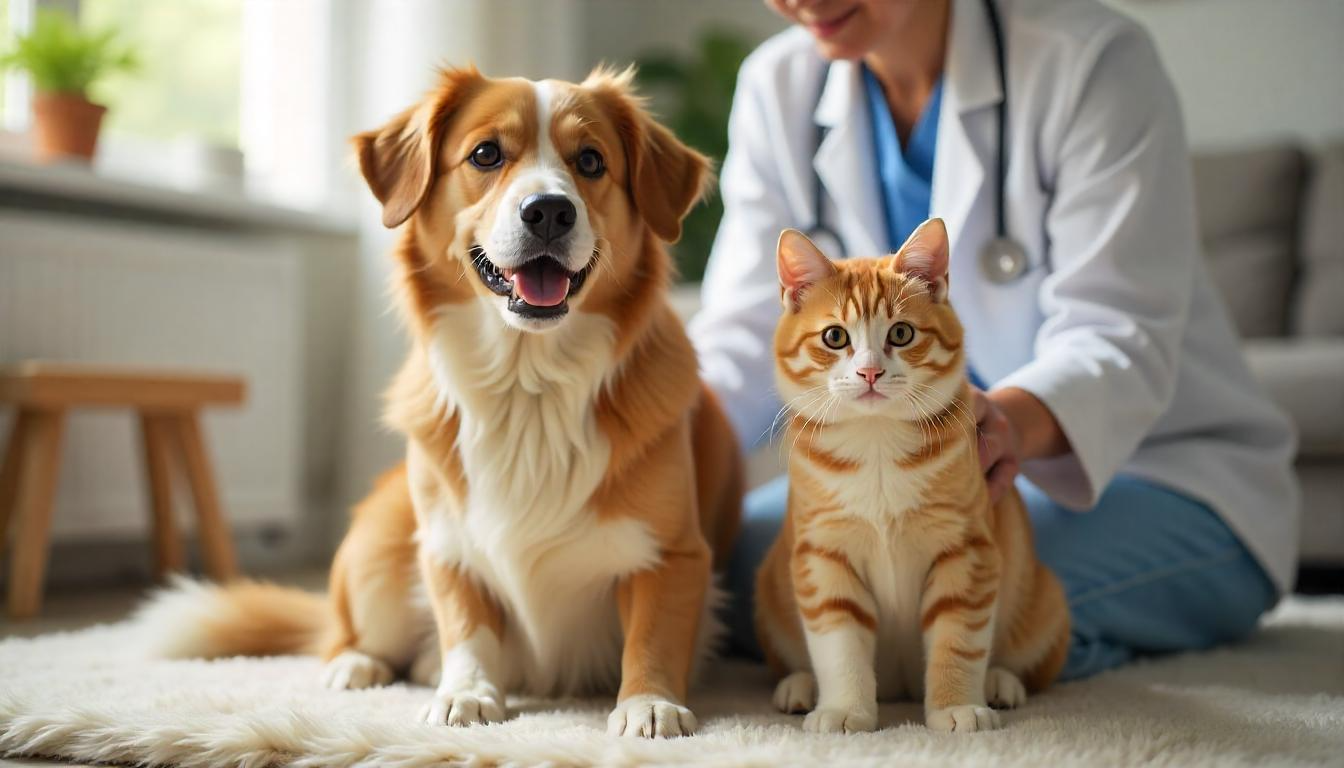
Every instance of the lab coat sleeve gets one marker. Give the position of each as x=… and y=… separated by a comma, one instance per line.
x=1122, y=235
x=733, y=332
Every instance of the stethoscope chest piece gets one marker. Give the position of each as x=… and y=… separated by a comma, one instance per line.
x=1002, y=260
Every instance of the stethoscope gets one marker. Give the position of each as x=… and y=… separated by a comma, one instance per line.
x=1002, y=258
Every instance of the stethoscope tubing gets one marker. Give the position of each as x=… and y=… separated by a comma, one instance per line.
x=1002, y=258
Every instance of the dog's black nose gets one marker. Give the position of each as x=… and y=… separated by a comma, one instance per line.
x=547, y=216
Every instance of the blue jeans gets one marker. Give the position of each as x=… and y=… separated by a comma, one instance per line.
x=1146, y=571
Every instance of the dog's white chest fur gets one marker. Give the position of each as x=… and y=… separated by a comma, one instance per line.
x=533, y=457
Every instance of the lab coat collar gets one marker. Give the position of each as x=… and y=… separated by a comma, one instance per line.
x=844, y=160
x=972, y=70
x=970, y=89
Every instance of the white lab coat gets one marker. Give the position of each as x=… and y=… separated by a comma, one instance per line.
x=1123, y=338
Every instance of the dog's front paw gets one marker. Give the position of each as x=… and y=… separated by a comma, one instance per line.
x=796, y=693
x=353, y=669
x=963, y=719
x=855, y=719
x=649, y=716
x=479, y=704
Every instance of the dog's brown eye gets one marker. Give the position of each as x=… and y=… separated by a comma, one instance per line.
x=487, y=155
x=901, y=334
x=591, y=164
x=835, y=337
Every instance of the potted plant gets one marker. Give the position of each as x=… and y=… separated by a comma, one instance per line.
x=63, y=61
x=696, y=89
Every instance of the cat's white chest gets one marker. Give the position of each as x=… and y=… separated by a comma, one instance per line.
x=894, y=571
x=878, y=489
x=881, y=492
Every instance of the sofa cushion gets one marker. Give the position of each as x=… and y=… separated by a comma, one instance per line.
x=1319, y=306
x=1305, y=377
x=1248, y=205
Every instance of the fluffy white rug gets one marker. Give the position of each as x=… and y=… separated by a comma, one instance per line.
x=91, y=696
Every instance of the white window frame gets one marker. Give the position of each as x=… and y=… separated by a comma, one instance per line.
x=285, y=107
x=18, y=90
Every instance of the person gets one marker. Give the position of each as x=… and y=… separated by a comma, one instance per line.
x=1157, y=476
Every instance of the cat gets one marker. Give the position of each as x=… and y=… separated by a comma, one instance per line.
x=894, y=576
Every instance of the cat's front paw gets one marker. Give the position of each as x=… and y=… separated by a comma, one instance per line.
x=796, y=693
x=1003, y=690
x=841, y=720
x=478, y=704
x=650, y=716
x=963, y=719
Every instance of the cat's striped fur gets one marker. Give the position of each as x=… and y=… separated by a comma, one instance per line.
x=894, y=575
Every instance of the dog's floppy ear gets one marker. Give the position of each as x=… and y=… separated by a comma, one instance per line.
x=665, y=177
x=398, y=160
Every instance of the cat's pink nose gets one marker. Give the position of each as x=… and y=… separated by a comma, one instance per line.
x=871, y=375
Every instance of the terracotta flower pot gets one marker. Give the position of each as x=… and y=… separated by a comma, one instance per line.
x=66, y=125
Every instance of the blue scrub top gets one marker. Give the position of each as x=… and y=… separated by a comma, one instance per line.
x=904, y=175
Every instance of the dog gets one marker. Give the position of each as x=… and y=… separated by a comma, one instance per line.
x=569, y=481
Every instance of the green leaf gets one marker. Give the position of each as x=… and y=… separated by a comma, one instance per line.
x=699, y=96
x=62, y=58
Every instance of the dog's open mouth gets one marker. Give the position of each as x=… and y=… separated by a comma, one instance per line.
x=540, y=288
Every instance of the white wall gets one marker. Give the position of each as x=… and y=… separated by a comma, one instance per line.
x=618, y=31
x=1250, y=71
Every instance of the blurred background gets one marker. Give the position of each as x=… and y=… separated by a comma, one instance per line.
x=221, y=225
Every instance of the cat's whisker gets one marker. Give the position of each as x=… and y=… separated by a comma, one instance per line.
x=967, y=425
x=813, y=397
x=790, y=406
x=921, y=418
x=810, y=420
x=824, y=419
x=926, y=417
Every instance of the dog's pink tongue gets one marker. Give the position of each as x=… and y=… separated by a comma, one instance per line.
x=541, y=284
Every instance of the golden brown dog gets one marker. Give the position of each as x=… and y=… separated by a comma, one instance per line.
x=568, y=478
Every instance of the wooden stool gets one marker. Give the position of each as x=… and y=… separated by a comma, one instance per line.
x=168, y=405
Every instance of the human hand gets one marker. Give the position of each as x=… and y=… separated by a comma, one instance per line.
x=999, y=444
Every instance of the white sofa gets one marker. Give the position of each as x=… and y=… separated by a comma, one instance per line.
x=1272, y=220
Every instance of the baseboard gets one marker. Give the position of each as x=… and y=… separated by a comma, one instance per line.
x=1315, y=579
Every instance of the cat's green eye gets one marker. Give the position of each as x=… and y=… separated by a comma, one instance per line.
x=835, y=337
x=901, y=334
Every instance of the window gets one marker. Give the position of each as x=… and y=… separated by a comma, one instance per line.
x=247, y=75
x=190, y=57
x=4, y=43
x=13, y=86
x=188, y=83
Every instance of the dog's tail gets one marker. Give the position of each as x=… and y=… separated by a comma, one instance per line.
x=189, y=619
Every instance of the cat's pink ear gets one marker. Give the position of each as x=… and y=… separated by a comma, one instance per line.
x=924, y=255
x=801, y=265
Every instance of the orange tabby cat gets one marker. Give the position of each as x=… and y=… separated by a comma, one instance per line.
x=894, y=576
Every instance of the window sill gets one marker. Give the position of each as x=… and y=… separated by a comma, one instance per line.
x=77, y=188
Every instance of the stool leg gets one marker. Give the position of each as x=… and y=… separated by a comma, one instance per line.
x=36, y=490
x=169, y=556
x=216, y=542
x=9, y=473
